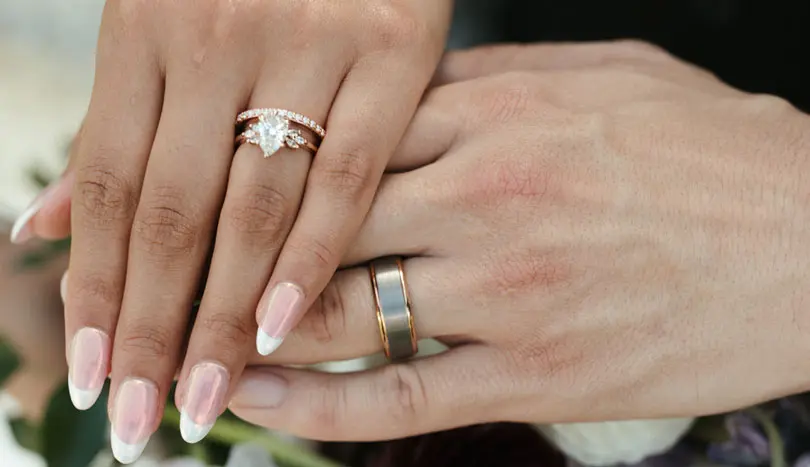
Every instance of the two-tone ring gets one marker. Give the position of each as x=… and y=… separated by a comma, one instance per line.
x=273, y=129
x=393, y=307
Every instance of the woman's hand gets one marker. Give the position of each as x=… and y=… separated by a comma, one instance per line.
x=613, y=235
x=156, y=181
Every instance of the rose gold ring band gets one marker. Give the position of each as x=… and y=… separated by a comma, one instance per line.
x=242, y=139
x=273, y=129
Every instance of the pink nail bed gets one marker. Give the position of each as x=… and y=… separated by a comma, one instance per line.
x=133, y=418
x=88, y=359
x=282, y=307
x=204, y=399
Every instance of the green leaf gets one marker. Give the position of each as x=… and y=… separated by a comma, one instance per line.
x=40, y=178
x=26, y=433
x=39, y=257
x=775, y=440
x=72, y=438
x=227, y=432
x=9, y=362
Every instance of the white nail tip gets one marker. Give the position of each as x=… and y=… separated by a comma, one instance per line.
x=63, y=286
x=83, y=399
x=126, y=453
x=190, y=431
x=266, y=344
x=18, y=234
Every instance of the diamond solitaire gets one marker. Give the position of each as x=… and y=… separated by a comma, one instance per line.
x=269, y=133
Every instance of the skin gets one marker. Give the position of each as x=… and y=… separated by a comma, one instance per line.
x=156, y=181
x=597, y=231
x=601, y=233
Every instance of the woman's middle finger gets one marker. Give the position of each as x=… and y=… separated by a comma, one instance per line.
x=261, y=203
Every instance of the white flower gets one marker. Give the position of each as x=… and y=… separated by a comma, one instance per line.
x=249, y=455
x=242, y=455
x=13, y=455
x=611, y=443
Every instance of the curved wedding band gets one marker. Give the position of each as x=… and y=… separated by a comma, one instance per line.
x=393, y=308
x=271, y=129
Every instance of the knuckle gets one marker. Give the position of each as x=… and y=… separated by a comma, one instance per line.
x=638, y=49
x=625, y=77
x=147, y=340
x=506, y=99
x=768, y=104
x=212, y=30
x=327, y=404
x=132, y=11
x=349, y=174
x=262, y=215
x=301, y=15
x=406, y=387
x=163, y=227
x=317, y=254
x=231, y=329
x=396, y=25
x=97, y=291
x=498, y=182
x=327, y=318
x=105, y=196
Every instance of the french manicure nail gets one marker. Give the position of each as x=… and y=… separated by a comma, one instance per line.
x=204, y=398
x=133, y=418
x=63, y=286
x=259, y=389
x=281, y=310
x=88, y=359
x=22, y=231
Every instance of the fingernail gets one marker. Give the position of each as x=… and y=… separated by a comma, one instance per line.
x=133, y=418
x=282, y=308
x=89, y=355
x=259, y=389
x=22, y=231
x=205, y=395
x=63, y=286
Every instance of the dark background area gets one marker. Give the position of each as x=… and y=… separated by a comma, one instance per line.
x=756, y=45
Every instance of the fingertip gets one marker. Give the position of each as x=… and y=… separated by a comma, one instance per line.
x=63, y=286
x=23, y=230
x=83, y=399
x=266, y=344
x=126, y=453
x=190, y=431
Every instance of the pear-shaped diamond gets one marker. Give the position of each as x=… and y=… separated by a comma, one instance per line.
x=271, y=132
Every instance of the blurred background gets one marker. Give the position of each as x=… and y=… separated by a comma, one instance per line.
x=46, y=71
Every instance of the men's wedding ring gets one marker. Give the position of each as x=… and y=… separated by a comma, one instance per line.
x=273, y=129
x=393, y=307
